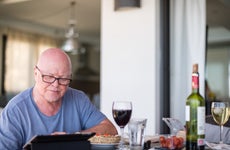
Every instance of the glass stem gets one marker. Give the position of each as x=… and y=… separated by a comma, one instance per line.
x=221, y=134
x=122, y=138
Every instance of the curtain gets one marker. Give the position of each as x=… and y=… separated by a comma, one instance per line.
x=22, y=51
x=188, y=27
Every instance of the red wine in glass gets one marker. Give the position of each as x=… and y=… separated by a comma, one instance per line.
x=122, y=117
x=122, y=111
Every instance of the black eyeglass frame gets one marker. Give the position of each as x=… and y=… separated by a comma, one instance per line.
x=61, y=81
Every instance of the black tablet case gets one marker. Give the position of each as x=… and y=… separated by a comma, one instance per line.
x=60, y=142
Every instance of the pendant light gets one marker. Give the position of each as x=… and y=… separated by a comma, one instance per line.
x=71, y=43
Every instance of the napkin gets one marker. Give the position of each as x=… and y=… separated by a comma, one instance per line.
x=218, y=146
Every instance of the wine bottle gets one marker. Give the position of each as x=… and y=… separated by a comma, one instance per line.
x=195, y=115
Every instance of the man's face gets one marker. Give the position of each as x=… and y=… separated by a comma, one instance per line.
x=49, y=82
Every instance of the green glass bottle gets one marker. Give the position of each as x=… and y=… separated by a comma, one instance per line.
x=195, y=115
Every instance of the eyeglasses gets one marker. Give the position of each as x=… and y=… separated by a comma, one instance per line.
x=51, y=79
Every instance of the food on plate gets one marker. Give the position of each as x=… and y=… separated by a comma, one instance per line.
x=105, y=138
x=171, y=142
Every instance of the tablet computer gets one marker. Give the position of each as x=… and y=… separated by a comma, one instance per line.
x=58, y=138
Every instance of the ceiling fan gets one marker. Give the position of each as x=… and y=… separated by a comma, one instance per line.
x=12, y=1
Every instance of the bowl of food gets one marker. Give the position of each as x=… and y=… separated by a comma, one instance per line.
x=104, y=141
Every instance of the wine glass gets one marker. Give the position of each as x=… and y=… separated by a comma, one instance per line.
x=220, y=114
x=122, y=111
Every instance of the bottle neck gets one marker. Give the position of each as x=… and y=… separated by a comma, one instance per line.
x=195, y=82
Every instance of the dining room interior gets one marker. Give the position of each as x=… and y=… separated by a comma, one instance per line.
x=141, y=54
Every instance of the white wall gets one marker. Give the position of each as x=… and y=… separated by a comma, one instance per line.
x=128, y=59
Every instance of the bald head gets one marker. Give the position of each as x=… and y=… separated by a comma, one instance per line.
x=52, y=64
x=54, y=59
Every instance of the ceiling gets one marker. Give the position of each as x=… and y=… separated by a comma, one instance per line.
x=55, y=14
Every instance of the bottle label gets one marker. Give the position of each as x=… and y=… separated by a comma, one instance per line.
x=195, y=81
x=187, y=113
x=201, y=120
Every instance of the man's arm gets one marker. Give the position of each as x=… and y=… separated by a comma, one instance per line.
x=105, y=127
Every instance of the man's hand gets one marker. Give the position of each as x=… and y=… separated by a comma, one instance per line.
x=105, y=127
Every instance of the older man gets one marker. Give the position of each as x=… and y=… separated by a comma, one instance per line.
x=50, y=107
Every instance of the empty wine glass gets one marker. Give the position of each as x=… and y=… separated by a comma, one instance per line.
x=122, y=111
x=220, y=114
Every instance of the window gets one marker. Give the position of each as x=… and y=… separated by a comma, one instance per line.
x=22, y=51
